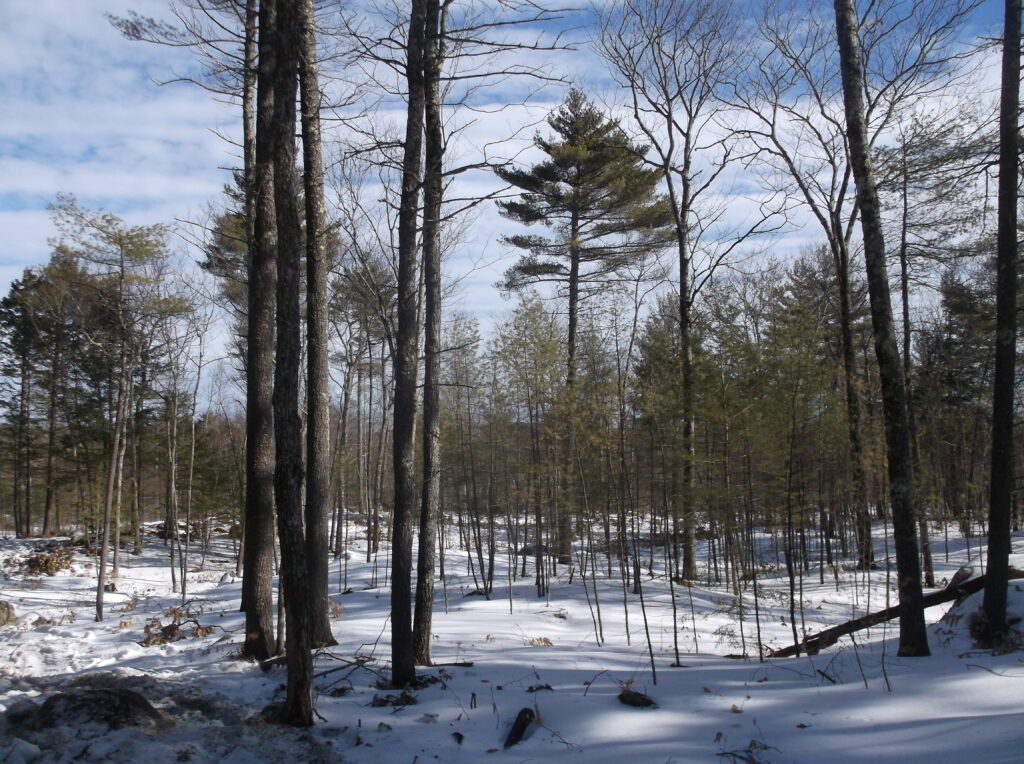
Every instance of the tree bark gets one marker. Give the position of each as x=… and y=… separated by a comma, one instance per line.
x=25, y=444
x=432, y=197
x=288, y=468
x=403, y=670
x=249, y=82
x=994, y=629
x=318, y=407
x=913, y=637
x=258, y=557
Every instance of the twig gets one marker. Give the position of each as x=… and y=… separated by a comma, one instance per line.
x=996, y=673
x=591, y=682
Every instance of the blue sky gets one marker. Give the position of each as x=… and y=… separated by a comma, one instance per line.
x=81, y=115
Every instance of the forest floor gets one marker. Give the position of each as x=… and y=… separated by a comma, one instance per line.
x=856, y=701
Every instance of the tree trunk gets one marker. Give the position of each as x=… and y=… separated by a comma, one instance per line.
x=861, y=517
x=258, y=557
x=908, y=368
x=137, y=419
x=25, y=438
x=994, y=629
x=120, y=414
x=318, y=408
x=913, y=637
x=681, y=209
x=342, y=457
x=403, y=670
x=49, y=507
x=432, y=196
x=171, y=523
x=288, y=468
x=249, y=82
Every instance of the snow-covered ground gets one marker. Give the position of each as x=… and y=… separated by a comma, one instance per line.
x=856, y=701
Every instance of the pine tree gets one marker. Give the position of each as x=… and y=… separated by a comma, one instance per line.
x=599, y=201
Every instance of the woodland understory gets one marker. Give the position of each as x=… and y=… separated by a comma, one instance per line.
x=677, y=393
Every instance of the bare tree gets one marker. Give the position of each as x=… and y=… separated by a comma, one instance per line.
x=910, y=51
x=223, y=36
x=433, y=181
x=403, y=669
x=390, y=49
x=119, y=255
x=676, y=59
x=913, y=637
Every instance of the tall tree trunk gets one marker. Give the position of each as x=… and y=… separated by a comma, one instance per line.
x=120, y=415
x=913, y=637
x=25, y=436
x=682, y=202
x=137, y=421
x=249, y=82
x=908, y=366
x=119, y=480
x=568, y=504
x=403, y=669
x=432, y=196
x=318, y=407
x=171, y=525
x=342, y=457
x=258, y=562
x=994, y=629
x=862, y=519
x=288, y=422
x=298, y=704
x=49, y=507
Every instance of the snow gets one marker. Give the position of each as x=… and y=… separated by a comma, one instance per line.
x=856, y=701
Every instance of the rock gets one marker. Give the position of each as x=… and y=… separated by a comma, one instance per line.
x=22, y=713
x=21, y=752
x=115, y=708
x=6, y=613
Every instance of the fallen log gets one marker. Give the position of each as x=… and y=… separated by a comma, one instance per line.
x=813, y=644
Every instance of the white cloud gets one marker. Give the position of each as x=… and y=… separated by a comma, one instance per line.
x=82, y=115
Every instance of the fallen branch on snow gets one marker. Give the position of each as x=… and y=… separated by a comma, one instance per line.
x=813, y=644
